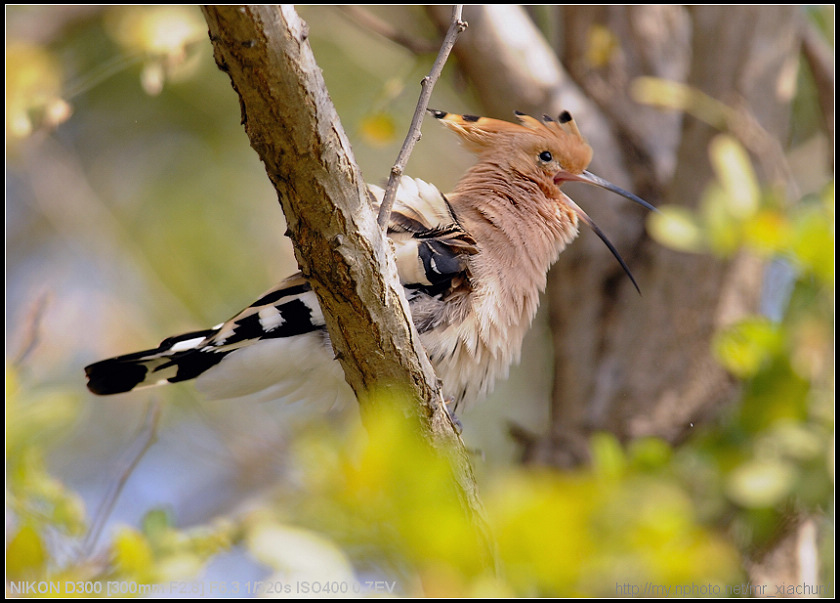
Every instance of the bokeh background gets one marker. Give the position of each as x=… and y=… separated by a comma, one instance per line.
x=684, y=437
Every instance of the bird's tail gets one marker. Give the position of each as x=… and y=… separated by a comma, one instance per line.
x=176, y=359
x=287, y=310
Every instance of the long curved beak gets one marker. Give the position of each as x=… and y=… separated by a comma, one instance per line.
x=590, y=178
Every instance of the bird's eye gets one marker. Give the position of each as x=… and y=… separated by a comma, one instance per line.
x=545, y=156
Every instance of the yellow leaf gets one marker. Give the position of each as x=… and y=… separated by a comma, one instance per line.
x=744, y=348
x=678, y=96
x=760, y=483
x=677, y=228
x=297, y=552
x=813, y=243
x=161, y=30
x=736, y=176
x=723, y=233
x=768, y=232
x=378, y=130
x=33, y=84
x=25, y=554
x=132, y=553
x=601, y=46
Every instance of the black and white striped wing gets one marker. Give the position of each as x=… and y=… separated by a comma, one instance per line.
x=278, y=345
x=432, y=249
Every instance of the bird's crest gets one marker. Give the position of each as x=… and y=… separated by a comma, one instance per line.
x=562, y=140
x=482, y=134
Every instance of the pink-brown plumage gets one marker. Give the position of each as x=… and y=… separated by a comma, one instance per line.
x=521, y=222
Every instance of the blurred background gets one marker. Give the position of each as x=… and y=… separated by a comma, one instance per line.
x=684, y=437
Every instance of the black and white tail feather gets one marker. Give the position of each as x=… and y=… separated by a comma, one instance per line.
x=278, y=346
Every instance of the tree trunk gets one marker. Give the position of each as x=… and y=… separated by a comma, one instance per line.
x=292, y=125
x=631, y=365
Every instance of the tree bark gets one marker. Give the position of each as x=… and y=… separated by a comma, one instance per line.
x=292, y=125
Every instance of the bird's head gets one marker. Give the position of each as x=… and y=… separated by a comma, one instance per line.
x=548, y=152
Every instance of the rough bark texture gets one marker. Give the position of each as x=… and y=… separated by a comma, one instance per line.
x=635, y=365
x=293, y=126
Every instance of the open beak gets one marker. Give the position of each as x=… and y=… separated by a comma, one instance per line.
x=590, y=178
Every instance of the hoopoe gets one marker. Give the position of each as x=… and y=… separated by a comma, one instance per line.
x=473, y=264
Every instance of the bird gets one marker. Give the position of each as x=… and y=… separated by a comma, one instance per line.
x=473, y=263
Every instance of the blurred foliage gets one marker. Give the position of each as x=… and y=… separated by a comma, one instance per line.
x=382, y=502
x=33, y=88
x=386, y=495
x=48, y=540
x=375, y=509
x=771, y=459
x=770, y=462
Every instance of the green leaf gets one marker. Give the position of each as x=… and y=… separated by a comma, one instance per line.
x=649, y=453
x=607, y=456
x=157, y=523
x=747, y=346
x=760, y=483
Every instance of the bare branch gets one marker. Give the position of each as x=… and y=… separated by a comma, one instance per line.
x=32, y=328
x=456, y=26
x=820, y=57
x=293, y=126
x=367, y=20
x=146, y=436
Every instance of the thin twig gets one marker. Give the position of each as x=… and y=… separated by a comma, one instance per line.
x=370, y=22
x=819, y=55
x=767, y=149
x=146, y=436
x=32, y=328
x=455, y=28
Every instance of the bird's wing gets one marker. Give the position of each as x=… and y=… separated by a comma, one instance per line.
x=431, y=247
x=287, y=320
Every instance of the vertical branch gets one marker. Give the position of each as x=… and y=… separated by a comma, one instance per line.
x=31, y=329
x=820, y=58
